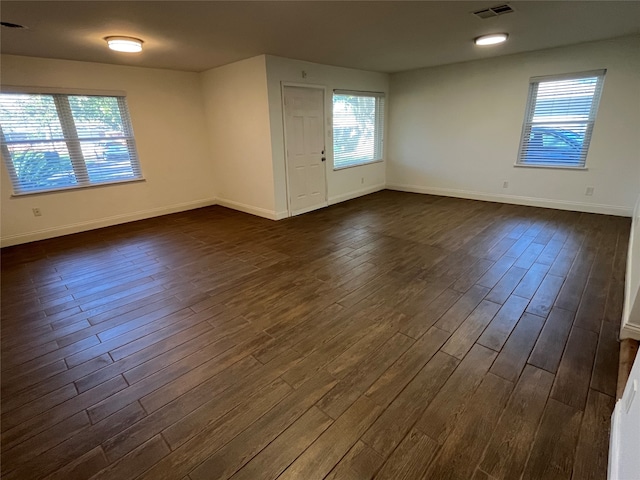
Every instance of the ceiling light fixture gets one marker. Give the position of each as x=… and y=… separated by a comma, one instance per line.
x=124, y=44
x=492, y=39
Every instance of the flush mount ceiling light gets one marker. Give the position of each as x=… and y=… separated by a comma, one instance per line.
x=492, y=39
x=124, y=44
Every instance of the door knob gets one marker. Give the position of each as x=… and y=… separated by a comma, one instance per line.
x=323, y=159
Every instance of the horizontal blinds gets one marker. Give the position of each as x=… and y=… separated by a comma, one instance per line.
x=29, y=118
x=358, y=125
x=55, y=141
x=559, y=121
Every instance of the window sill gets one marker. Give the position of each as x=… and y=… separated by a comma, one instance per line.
x=76, y=187
x=553, y=167
x=335, y=169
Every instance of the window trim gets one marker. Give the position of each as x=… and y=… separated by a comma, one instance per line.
x=71, y=139
x=554, y=167
x=379, y=127
x=371, y=162
x=534, y=82
x=38, y=90
x=77, y=187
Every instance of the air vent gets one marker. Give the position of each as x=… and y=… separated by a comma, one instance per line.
x=11, y=25
x=501, y=9
x=493, y=11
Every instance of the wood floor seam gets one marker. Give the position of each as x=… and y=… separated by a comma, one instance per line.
x=395, y=336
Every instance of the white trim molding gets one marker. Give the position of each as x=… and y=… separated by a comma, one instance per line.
x=358, y=193
x=102, y=222
x=629, y=331
x=257, y=211
x=62, y=91
x=517, y=200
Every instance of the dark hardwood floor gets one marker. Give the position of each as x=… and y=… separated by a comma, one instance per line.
x=396, y=336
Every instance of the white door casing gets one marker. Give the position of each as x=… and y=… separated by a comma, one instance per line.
x=305, y=148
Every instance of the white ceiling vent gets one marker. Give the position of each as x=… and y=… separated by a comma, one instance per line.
x=493, y=11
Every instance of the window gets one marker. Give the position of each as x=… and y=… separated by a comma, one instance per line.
x=358, y=125
x=561, y=112
x=54, y=142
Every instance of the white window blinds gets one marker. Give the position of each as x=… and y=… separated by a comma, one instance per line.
x=358, y=126
x=55, y=141
x=559, y=120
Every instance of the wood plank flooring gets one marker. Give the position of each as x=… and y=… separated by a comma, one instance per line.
x=395, y=336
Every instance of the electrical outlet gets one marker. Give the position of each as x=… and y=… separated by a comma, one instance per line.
x=505, y=184
x=589, y=191
x=36, y=212
x=362, y=180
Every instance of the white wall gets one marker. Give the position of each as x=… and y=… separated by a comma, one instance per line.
x=237, y=111
x=341, y=184
x=168, y=122
x=631, y=314
x=214, y=137
x=451, y=130
x=624, y=445
x=455, y=130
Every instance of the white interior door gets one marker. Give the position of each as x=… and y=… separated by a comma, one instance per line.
x=305, y=149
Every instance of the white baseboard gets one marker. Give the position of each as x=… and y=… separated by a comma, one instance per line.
x=517, y=200
x=358, y=193
x=273, y=215
x=258, y=211
x=45, y=233
x=629, y=331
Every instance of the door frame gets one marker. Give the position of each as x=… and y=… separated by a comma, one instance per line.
x=283, y=85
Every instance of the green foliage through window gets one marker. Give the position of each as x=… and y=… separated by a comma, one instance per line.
x=357, y=128
x=52, y=142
